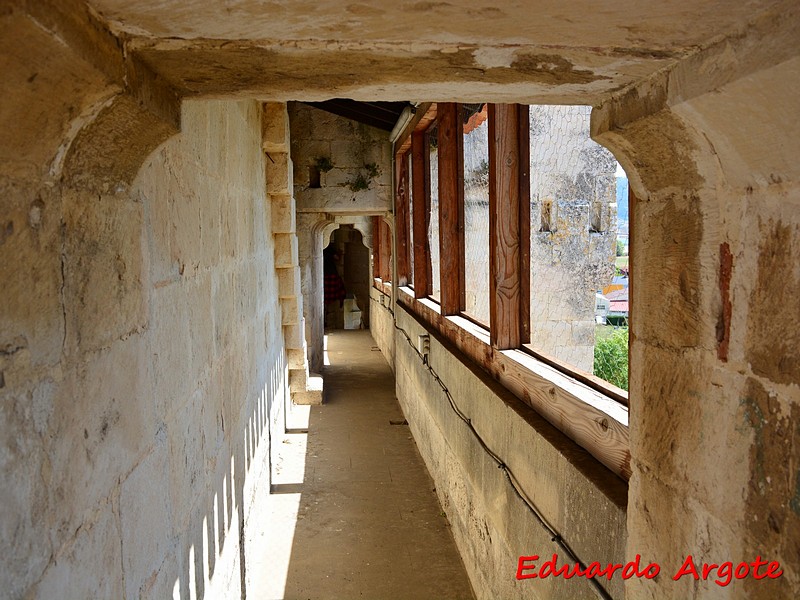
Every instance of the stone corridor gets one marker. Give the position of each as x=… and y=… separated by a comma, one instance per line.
x=353, y=513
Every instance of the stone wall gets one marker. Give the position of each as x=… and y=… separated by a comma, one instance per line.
x=715, y=353
x=491, y=525
x=338, y=154
x=382, y=324
x=135, y=429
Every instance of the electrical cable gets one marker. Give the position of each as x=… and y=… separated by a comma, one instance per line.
x=509, y=474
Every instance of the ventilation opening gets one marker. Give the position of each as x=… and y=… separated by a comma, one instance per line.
x=314, y=177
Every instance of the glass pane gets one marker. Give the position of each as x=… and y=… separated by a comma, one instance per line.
x=573, y=235
x=433, y=227
x=476, y=209
x=410, y=220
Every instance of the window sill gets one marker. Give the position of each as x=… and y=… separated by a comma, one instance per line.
x=594, y=420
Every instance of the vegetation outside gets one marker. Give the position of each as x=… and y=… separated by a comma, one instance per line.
x=611, y=357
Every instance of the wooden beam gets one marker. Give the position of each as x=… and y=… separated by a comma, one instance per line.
x=524, y=141
x=423, y=117
x=401, y=219
x=421, y=188
x=509, y=226
x=451, y=208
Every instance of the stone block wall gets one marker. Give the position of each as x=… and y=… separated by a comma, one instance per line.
x=382, y=325
x=135, y=429
x=305, y=387
x=349, y=147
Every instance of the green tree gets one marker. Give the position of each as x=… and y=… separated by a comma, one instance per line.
x=611, y=358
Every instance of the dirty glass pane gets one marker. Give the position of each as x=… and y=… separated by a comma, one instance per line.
x=574, y=217
x=433, y=227
x=410, y=220
x=475, y=122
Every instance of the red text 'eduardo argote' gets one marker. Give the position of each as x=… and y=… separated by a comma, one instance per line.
x=722, y=574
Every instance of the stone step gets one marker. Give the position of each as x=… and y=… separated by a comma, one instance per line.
x=314, y=393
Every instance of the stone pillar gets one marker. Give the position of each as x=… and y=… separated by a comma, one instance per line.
x=311, y=236
x=305, y=387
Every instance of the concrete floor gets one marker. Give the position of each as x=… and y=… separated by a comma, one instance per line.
x=368, y=522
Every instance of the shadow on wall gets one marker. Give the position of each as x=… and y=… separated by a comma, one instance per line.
x=220, y=525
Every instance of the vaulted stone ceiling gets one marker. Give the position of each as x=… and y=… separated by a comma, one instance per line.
x=540, y=50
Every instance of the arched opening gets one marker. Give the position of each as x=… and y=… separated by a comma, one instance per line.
x=346, y=280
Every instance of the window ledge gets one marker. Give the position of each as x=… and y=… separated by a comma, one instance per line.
x=593, y=420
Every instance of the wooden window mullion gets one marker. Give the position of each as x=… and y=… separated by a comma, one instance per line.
x=451, y=208
x=509, y=226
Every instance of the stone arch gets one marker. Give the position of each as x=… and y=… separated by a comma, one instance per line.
x=314, y=229
x=357, y=275
x=712, y=243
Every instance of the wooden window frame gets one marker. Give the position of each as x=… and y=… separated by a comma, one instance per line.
x=509, y=226
x=402, y=217
x=376, y=250
x=381, y=253
x=587, y=409
x=450, y=150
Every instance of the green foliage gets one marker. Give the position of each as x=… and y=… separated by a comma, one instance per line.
x=373, y=170
x=362, y=181
x=620, y=247
x=358, y=183
x=611, y=358
x=323, y=164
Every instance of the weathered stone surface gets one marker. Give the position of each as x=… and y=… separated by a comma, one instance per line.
x=145, y=518
x=294, y=335
x=350, y=148
x=131, y=402
x=296, y=358
x=286, y=252
x=289, y=282
x=279, y=173
x=290, y=313
x=283, y=214
x=773, y=347
x=275, y=128
x=89, y=565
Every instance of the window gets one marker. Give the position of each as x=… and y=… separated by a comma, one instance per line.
x=432, y=138
x=402, y=219
x=573, y=187
x=476, y=210
x=381, y=251
x=509, y=215
x=410, y=191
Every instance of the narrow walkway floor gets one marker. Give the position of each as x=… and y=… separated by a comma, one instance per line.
x=369, y=524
